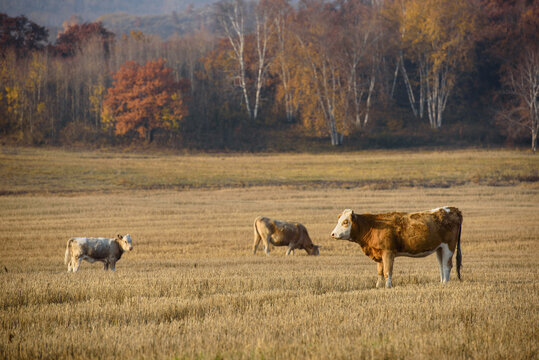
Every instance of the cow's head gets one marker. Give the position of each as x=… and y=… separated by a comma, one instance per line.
x=125, y=242
x=313, y=250
x=344, y=226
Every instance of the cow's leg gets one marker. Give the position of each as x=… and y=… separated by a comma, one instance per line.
x=380, y=268
x=113, y=265
x=447, y=262
x=267, y=244
x=290, y=248
x=105, y=265
x=77, y=265
x=256, y=242
x=71, y=265
x=439, y=257
x=387, y=258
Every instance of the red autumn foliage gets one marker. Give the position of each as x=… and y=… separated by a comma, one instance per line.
x=21, y=34
x=145, y=98
x=510, y=26
x=73, y=38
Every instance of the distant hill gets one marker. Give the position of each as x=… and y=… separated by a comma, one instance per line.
x=162, y=25
x=163, y=17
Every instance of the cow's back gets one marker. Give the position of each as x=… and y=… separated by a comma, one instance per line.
x=95, y=248
x=284, y=232
x=424, y=231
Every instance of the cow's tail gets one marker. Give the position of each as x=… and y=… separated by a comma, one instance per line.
x=459, y=254
x=67, y=256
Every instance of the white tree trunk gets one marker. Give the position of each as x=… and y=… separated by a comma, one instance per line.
x=395, y=79
x=327, y=100
x=534, y=140
x=281, y=33
x=233, y=22
x=325, y=84
x=368, y=102
x=262, y=37
x=409, y=90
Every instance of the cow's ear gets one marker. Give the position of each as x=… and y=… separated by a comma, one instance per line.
x=120, y=237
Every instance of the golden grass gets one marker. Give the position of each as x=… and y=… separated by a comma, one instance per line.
x=192, y=289
x=48, y=170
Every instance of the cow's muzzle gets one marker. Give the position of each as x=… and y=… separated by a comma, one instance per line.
x=337, y=236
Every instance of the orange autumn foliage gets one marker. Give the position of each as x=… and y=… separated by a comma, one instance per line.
x=145, y=98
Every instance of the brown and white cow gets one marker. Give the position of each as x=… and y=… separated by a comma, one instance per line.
x=106, y=250
x=383, y=237
x=282, y=233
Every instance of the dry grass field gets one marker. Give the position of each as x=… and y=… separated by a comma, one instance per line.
x=191, y=289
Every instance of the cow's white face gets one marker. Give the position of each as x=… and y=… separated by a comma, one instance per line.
x=344, y=226
x=125, y=242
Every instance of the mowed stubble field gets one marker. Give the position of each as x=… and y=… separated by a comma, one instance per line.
x=191, y=288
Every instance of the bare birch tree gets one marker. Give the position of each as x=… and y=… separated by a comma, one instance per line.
x=235, y=18
x=281, y=15
x=437, y=36
x=263, y=32
x=324, y=87
x=522, y=85
x=231, y=18
x=359, y=34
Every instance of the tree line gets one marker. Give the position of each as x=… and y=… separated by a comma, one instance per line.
x=332, y=70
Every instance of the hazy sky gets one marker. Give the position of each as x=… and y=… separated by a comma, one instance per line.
x=55, y=12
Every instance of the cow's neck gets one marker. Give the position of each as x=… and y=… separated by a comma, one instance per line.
x=119, y=249
x=360, y=230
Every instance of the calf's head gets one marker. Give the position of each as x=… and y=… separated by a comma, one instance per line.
x=344, y=226
x=125, y=242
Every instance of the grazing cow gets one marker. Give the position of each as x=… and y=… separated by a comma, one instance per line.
x=282, y=233
x=383, y=237
x=108, y=251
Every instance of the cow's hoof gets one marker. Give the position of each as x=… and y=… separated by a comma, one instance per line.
x=379, y=284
